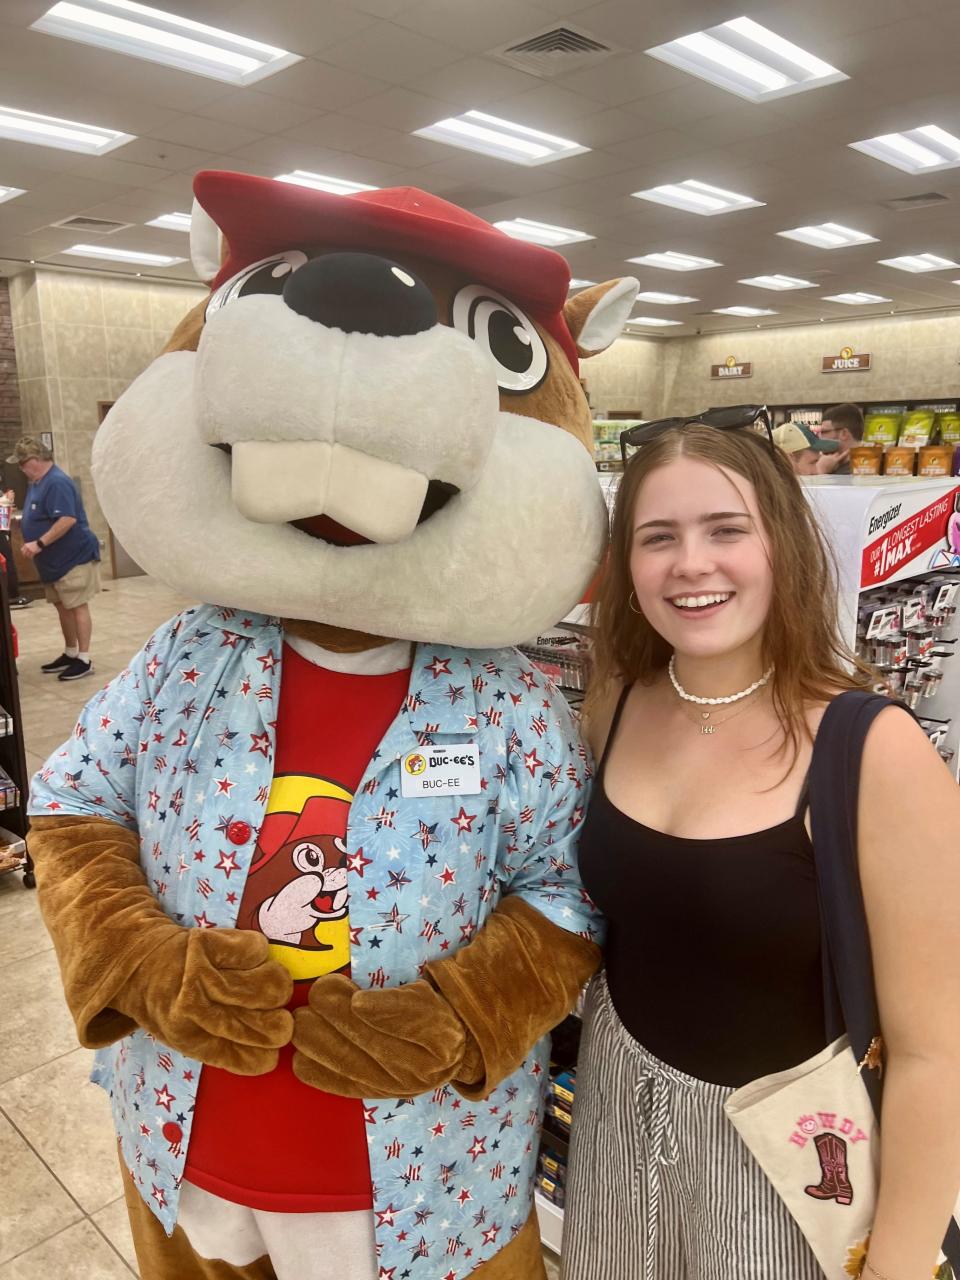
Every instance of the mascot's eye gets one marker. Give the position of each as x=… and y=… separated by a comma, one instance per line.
x=308, y=857
x=269, y=275
x=508, y=336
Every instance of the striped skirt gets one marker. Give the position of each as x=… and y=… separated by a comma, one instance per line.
x=660, y=1186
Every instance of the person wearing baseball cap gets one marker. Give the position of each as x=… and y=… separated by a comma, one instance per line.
x=57, y=535
x=803, y=447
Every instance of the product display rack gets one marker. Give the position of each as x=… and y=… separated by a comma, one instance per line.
x=14, y=780
x=811, y=412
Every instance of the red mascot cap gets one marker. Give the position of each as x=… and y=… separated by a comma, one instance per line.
x=260, y=216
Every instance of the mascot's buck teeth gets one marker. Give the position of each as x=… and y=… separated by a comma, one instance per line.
x=276, y=482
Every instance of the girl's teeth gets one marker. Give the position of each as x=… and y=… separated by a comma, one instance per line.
x=700, y=602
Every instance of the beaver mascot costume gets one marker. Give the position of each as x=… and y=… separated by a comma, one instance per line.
x=309, y=862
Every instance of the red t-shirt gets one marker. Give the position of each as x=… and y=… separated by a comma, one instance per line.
x=272, y=1142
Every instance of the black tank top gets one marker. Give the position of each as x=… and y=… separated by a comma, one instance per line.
x=713, y=946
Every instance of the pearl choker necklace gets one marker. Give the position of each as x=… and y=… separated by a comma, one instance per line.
x=714, y=702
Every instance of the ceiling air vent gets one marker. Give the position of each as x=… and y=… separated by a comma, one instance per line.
x=91, y=226
x=554, y=52
x=906, y=204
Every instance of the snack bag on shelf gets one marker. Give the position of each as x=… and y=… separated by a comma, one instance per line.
x=948, y=427
x=882, y=426
x=917, y=427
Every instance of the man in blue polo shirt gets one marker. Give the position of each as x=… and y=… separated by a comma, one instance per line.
x=56, y=534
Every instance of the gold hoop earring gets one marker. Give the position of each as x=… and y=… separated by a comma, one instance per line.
x=630, y=600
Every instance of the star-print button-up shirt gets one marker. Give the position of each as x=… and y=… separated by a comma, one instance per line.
x=179, y=747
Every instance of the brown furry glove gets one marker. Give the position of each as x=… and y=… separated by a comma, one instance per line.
x=212, y=994
x=470, y=1022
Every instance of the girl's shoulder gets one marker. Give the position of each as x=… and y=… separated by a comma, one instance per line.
x=598, y=716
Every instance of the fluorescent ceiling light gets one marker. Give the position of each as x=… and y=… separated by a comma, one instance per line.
x=323, y=182
x=171, y=222
x=743, y=311
x=672, y=261
x=856, y=299
x=141, y=32
x=491, y=136
x=541, y=232
x=580, y=284
x=918, y=262
x=664, y=299
x=779, y=283
x=65, y=135
x=698, y=197
x=747, y=59
x=10, y=193
x=122, y=255
x=924, y=150
x=646, y=322
x=828, y=235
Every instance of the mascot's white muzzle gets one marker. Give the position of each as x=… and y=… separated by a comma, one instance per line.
x=349, y=425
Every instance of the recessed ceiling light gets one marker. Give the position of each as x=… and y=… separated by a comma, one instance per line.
x=65, y=135
x=581, y=284
x=856, y=299
x=918, y=262
x=779, y=283
x=828, y=235
x=121, y=255
x=743, y=311
x=747, y=59
x=698, y=197
x=664, y=299
x=323, y=182
x=923, y=150
x=669, y=260
x=10, y=193
x=491, y=136
x=171, y=222
x=648, y=322
x=541, y=232
x=157, y=36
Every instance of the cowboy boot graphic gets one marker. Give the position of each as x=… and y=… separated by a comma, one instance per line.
x=835, y=1181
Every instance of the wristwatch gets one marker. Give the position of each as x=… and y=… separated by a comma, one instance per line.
x=39, y=542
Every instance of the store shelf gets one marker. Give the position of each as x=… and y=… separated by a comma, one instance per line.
x=550, y=1219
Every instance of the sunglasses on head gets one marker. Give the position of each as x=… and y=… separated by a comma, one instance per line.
x=731, y=418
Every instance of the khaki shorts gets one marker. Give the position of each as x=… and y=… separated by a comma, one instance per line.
x=75, y=588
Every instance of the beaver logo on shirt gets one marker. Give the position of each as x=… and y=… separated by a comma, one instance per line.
x=296, y=893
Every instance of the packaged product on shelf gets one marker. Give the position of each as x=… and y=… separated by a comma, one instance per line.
x=917, y=427
x=9, y=795
x=882, y=425
x=936, y=460
x=866, y=459
x=948, y=426
x=900, y=460
x=6, y=723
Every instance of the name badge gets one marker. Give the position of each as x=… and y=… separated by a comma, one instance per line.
x=441, y=771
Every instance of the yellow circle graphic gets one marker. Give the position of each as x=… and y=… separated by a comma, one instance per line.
x=415, y=764
x=846, y=353
x=731, y=362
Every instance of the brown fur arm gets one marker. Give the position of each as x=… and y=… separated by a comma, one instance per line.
x=469, y=1022
x=513, y=983
x=212, y=994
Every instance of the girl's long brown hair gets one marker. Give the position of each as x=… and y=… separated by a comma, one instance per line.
x=802, y=636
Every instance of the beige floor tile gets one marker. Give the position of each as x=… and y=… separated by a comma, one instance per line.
x=79, y=1253
x=22, y=931
x=36, y=1025
x=550, y=1261
x=33, y=1205
x=115, y=1225
x=66, y=1120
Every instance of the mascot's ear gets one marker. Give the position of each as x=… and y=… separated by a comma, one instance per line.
x=205, y=248
x=596, y=316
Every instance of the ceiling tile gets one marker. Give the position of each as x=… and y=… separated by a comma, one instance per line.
x=400, y=108
x=480, y=83
x=475, y=28
x=208, y=135
x=390, y=53
x=320, y=85
x=248, y=109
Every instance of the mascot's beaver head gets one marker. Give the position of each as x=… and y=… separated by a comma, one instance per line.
x=374, y=423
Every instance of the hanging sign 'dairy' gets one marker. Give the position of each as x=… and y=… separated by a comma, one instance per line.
x=732, y=368
x=846, y=362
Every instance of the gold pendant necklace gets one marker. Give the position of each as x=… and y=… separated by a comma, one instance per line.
x=709, y=725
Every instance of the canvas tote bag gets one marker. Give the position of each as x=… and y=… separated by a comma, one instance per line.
x=814, y=1128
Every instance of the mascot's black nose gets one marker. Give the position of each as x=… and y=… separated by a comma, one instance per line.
x=361, y=293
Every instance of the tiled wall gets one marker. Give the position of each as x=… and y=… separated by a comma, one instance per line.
x=81, y=339
x=626, y=378
x=9, y=386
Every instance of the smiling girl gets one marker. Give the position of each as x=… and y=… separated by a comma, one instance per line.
x=717, y=654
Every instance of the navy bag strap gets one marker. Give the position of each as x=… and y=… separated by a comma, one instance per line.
x=850, y=999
